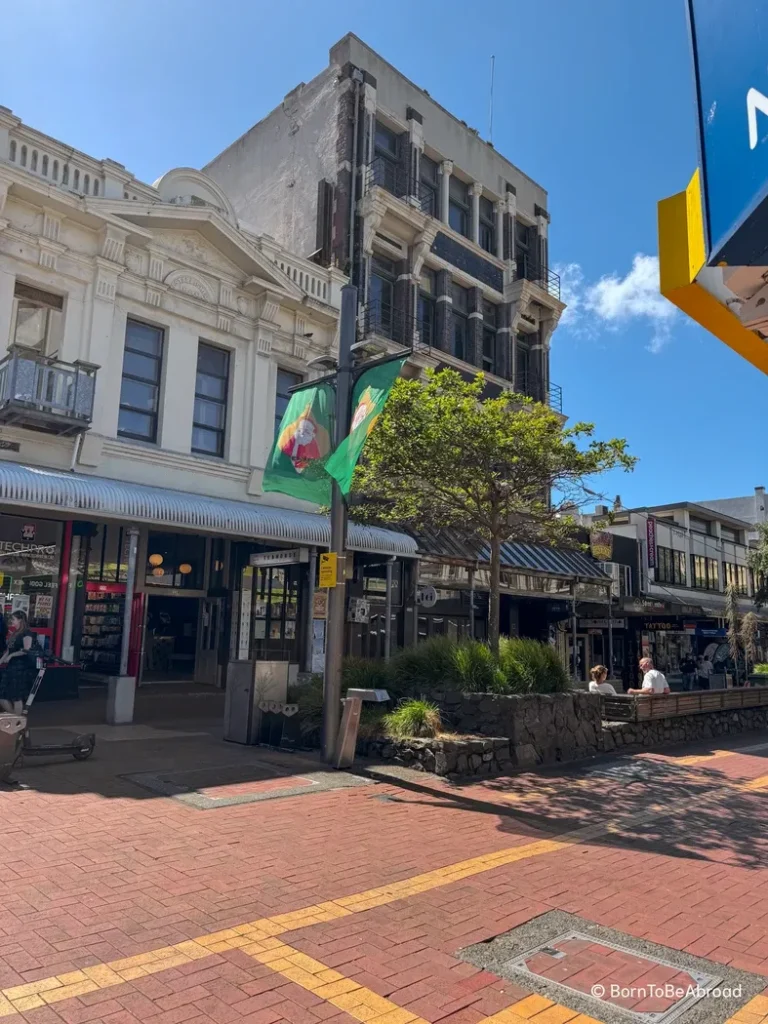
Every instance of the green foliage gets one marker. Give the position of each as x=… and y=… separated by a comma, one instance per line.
x=750, y=627
x=477, y=670
x=531, y=667
x=364, y=673
x=442, y=456
x=761, y=669
x=414, y=718
x=758, y=563
x=427, y=667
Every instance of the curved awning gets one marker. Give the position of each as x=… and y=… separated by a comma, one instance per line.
x=54, y=491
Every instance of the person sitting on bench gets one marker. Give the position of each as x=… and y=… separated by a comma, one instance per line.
x=653, y=680
x=599, y=674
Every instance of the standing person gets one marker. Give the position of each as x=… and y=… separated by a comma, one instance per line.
x=688, y=668
x=704, y=670
x=599, y=675
x=18, y=666
x=653, y=680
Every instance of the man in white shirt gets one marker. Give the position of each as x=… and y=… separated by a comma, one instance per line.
x=704, y=670
x=653, y=680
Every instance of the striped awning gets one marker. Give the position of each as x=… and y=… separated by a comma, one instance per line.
x=52, y=491
x=523, y=557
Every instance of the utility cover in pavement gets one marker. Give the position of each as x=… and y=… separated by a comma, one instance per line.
x=612, y=976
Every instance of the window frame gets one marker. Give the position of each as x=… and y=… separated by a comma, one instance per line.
x=459, y=203
x=671, y=567
x=299, y=379
x=29, y=296
x=487, y=226
x=460, y=318
x=158, y=384
x=490, y=328
x=427, y=299
x=429, y=185
x=221, y=432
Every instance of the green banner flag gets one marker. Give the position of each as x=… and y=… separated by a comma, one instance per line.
x=368, y=401
x=296, y=465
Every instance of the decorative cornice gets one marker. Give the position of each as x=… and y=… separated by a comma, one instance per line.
x=113, y=244
x=267, y=306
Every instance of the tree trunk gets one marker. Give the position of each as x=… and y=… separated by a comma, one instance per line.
x=494, y=602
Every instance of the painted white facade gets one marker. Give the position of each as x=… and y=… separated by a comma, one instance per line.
x=171, y=255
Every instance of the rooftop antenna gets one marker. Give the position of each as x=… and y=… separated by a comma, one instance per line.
x=490, y=110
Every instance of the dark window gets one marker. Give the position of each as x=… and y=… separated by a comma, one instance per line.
x=490, y=323
x=175, y=560
x=381, y=295
x=426, y=307
x=526, y=256
x=458, y=206
x=140, y=391
x=735, y=576
x=487, y=225
x=385, y=145
x=385, y=141
x=285, y=381
x=699, y=525
x=429, y=185
x=460, y=323
x=705, y=573
x=522, y=363
x=209, y=423
x=671, y=567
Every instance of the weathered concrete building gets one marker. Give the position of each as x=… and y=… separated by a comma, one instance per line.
x=446, y=240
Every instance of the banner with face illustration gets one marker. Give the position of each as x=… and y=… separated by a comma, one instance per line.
x=296, y=465
x=369, y=398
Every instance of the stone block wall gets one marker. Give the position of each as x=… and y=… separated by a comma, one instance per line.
x=542, y=728
x=458, y=758
x=620, y=735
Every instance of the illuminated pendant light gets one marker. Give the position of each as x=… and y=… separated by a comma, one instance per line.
x=185, y=568
x=155, y=559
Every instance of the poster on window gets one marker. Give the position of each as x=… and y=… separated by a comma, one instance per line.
x=318, y=645
x=43, y=606
x=20, y=603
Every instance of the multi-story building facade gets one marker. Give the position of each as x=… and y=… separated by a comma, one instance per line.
x=147, y=347
x=446, y=240
x=671, y=601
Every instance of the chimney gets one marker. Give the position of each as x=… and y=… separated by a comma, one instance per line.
x=761, y=515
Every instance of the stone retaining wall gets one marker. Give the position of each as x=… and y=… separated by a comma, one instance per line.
x=542, y=728
x=618, y=735
x=462, y=758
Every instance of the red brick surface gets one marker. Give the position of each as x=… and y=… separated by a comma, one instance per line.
x=96, y=869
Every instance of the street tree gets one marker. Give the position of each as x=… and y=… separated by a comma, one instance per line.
x=493, y=469
x=750, y=626
x=758, y=563
x=733, y=619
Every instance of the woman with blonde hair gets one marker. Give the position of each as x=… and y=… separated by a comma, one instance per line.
x=599, y=675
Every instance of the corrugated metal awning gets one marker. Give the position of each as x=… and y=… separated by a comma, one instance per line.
x=516, y=555
x=54, y=491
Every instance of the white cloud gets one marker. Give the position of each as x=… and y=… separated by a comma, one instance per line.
x=613, y=301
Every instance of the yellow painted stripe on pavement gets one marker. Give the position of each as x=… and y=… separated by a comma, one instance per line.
x=35, y=994
x=753, y=1012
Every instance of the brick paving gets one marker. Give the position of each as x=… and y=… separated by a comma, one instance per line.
x=122, y=906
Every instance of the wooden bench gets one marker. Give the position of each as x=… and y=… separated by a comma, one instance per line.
x=631, y=708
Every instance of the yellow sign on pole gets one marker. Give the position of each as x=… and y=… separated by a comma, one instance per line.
x=328, y=568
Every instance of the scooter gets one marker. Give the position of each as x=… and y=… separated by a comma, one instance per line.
x=16, y=742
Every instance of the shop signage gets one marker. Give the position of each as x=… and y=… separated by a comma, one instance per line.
x=712, y=632
x=650, y=536
x=651, y=625
x=603, y=623
x=328, y=569
x=601, y=545
x=644, y=605
x=10, y=446
x=286, y=556
x=28, y=531
x=12, y=547
x=426, y=597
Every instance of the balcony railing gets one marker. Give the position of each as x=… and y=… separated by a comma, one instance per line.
x=394, y=179
x=532, y=385
x=46, y=394
x=532, y=270
x=383, y=320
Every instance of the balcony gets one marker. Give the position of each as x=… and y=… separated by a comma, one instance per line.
x=44, y=393
x=384, y=321
x=540, y=390
x=394, y=179
x=532, y=270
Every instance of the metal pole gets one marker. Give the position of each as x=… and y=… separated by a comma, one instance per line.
x=337, y=604
x=388, y=625
x=574, y=665
x=472, y=604
x=130, y=583
x=310, y=614
x=416, y=564
x=610, y=633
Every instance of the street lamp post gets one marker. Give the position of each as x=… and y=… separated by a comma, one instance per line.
x=334, y=646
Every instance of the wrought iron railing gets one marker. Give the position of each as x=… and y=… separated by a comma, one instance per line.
x=34, y=387
x=534, y=271
x=534, y=386
x=384, y=320
x=398, y=182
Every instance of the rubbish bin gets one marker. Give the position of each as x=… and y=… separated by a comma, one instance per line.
x=249, y=683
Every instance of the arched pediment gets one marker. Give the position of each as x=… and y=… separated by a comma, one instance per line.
x=185, y=186
x=190, y=284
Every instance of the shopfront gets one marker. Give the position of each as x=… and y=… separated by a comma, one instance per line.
x=30, y=562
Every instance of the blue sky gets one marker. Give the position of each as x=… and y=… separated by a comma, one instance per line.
x=594, y=99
